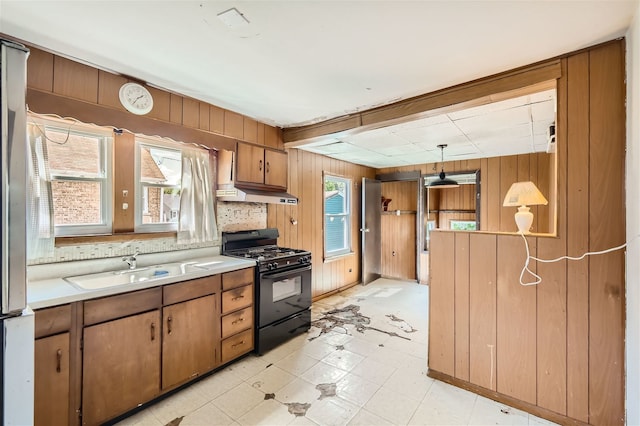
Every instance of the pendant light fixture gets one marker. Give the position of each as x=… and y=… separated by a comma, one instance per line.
x=443, y=182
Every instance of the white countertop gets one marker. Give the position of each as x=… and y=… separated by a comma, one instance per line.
x=45, y=291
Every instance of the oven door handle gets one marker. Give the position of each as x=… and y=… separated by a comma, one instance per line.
x=287, y=272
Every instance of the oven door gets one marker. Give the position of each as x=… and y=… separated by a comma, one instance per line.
x=284, y=293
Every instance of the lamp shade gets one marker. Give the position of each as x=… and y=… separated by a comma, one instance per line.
x=443, y=182
x=523, y=194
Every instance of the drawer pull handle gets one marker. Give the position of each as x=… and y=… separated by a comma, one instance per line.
x=153, y=331
x=238, y=344
x=58, y=360
x=238, y=297
x=237, y=321
x=169, y=321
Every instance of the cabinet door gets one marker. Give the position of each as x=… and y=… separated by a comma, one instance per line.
x=121, y=360
x=250, y=164
x=190, y=339
x=52, y=380
x=275, y=168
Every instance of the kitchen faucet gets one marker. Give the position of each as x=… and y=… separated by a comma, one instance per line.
x=131, y=260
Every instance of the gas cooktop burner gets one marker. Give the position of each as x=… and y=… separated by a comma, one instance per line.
x=265, y=253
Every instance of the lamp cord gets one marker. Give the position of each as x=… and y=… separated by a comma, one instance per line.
x=538, y=278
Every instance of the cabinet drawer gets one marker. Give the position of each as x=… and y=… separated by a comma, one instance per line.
x=188, y=290
x=237, y=345
x=122, y=305
x=237, y=321
x=237, y=298
x=237, y=278
x=53, y=320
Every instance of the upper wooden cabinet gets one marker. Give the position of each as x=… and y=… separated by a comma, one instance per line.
x=275, y=173
x=259, y=166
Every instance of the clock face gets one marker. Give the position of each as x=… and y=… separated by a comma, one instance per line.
x=136, y=98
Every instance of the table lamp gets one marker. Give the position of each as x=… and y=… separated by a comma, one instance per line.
x=524, y=194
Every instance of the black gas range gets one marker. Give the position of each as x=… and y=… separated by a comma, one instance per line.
x=283, y=285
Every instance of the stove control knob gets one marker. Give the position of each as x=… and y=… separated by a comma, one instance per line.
x=272, y=266
x=304, y=259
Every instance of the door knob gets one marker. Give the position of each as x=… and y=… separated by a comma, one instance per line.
x=364, y=229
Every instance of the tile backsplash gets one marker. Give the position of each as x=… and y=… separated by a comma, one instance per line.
x=237, y=216
x=231, y=216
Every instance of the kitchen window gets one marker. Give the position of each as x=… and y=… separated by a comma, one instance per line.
x=158, y=177
x=80, y=169
x=87, y=181
x=337, y=216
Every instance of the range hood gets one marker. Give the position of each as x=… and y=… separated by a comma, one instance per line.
x=229, y=190
x=231, y=193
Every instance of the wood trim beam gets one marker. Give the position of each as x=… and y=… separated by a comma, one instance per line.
x=501, y=86
x=48, y=103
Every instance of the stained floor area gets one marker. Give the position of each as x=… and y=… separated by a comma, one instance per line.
x=364, y=362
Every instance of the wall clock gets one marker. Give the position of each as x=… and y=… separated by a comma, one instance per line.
x=136, y=98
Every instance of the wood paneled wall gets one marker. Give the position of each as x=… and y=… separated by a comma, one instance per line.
x=97, y=94
x=398, y=231
x=306, y=182
x=403, y=195
x=555, y=349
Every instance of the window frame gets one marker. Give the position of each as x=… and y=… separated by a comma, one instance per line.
x=140, y=186
x=347, y=215
x=104, y=178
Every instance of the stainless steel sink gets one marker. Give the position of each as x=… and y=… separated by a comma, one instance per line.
x=129, y=276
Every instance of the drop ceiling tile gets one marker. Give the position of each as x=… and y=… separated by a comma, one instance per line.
x=487, y=135
x=334, y=148
x=543, y=111
x=450, y=142
x=316, y=150
x=430, y=134
x=541, y=127
x=547, y=95
x=416, y=158
x=326, y=141
x=491, y=122
x=423, y=122
x=376, y=140
x=399, y=149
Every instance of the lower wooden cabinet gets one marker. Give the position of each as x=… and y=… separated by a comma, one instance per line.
x=121, y=366
x=99, y=358
x=190, y=340
x=51, y=385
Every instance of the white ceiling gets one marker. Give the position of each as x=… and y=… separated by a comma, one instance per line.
x=299, y=62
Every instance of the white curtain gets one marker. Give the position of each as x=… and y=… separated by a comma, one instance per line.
x=197, y=222
x=40, y=226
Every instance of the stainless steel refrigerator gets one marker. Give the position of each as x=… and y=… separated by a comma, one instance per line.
x=16, y=319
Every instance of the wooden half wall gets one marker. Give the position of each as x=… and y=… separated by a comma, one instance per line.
x=555, y=349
